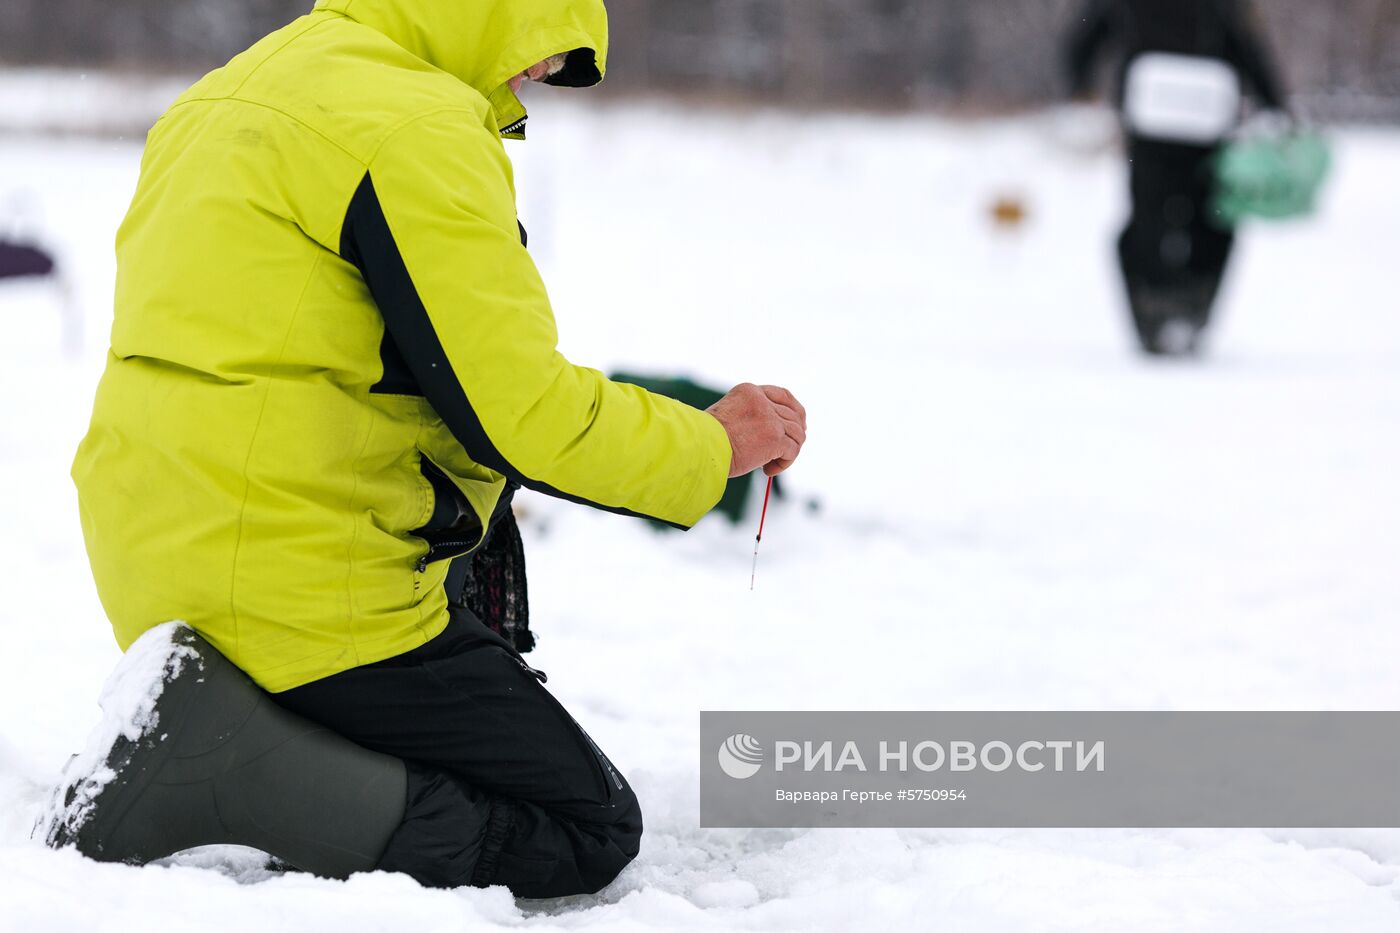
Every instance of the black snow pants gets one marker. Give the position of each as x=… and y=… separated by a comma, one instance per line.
x=1173, y=252
x=504, y=787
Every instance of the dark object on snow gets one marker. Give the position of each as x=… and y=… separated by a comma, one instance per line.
x=504, y=786
x=734, y=504
x=18, y=261
x=224, y=765
x=1175, y=248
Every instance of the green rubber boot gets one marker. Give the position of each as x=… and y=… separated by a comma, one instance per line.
x=192, y=753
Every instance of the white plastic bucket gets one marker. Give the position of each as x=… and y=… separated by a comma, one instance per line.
x=1181, y=98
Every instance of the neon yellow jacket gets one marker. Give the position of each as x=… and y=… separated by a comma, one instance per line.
x=321, y=283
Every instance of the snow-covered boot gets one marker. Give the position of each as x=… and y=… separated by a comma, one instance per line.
x=192, y=753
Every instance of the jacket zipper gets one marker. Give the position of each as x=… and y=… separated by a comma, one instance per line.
x=436, y=549
x=515, y=127
x=435, y=552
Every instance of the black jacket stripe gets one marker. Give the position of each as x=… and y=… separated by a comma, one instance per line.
x=367, y=243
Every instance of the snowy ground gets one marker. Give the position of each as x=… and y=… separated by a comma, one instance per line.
x=1017, y=513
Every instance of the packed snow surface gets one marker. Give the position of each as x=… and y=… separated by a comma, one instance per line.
x=1015, y=512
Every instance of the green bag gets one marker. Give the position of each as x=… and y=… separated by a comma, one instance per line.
x=1270, y=177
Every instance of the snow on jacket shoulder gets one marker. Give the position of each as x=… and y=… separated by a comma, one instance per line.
x=321, y=285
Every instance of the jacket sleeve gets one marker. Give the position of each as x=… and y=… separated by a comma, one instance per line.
x=433, y=231
x=1085, y=41
x=1247, y=52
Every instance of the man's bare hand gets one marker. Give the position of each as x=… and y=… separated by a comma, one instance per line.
x=766, y=426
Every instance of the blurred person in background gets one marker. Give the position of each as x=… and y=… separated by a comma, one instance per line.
x=333, y=362
x=1184, y=68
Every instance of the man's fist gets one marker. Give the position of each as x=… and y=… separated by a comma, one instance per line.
x=766, y=426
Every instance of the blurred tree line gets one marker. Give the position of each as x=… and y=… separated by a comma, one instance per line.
x=1341, y=57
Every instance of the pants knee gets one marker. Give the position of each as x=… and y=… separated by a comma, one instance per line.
x=621, y=839
x=627, y=831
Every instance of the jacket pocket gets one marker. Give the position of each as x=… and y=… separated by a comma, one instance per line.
x=453, y=528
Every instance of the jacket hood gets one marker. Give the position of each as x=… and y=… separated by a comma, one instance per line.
x=485, y=43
